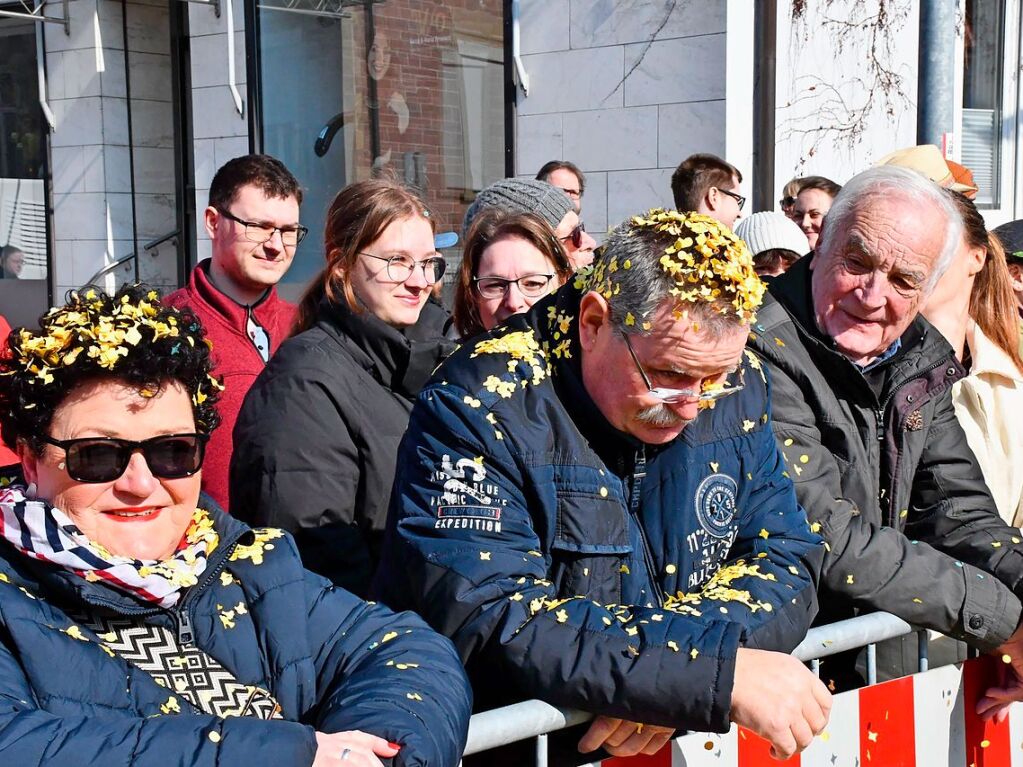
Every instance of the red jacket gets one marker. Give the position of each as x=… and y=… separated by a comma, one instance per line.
x=7, y=456
x=235, y=359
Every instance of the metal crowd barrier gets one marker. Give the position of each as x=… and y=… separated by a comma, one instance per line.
x=536, y=719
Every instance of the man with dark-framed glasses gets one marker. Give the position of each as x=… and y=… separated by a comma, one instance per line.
x=252, y=220
x=591, y=504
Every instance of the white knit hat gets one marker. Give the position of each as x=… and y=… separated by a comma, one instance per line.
x=769, y=230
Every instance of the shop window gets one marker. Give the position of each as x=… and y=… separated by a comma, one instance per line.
x=349, y=89
x=24, y=252
x=982, y=97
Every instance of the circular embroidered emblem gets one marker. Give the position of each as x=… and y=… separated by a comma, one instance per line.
x=715, y=504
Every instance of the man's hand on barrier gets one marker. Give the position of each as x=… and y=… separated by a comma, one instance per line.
x=622, y=738
x=779, y=699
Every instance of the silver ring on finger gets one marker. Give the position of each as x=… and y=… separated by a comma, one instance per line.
x=345, y=753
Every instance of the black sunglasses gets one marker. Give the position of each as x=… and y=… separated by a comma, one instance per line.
x=104, y=459
x=576, y=236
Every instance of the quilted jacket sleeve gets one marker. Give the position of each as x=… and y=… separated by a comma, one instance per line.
x=31, y=736
x=879, y=567
x=489, y=592
x=387, y=674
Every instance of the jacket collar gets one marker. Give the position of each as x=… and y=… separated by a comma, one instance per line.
x=398, y=362
x=988, y=358
x=550, y=316
x=201, y=284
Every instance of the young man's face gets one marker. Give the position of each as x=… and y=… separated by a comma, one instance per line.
x=1016, y=274
x=237, y=251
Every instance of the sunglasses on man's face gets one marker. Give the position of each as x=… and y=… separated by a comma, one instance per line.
x=575, y=236
x=104, y=459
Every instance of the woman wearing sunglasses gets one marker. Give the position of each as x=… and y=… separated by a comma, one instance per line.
x=316, y=439
x=510, y=262
x=141, y=625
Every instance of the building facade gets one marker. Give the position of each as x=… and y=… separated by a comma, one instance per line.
x=115, y=114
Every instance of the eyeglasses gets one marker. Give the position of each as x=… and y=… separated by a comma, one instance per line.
x=399, y=268
x=529, y=285
x=739, y=199
x=575, y=236
x=104, y=459
x=787, y=202
x=260, y=232
x=710, y=391
x=575, y=194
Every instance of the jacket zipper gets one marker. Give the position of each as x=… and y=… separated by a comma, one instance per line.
x=635, y=483
x=185, y=632
x=892, y=512
x=186, y=636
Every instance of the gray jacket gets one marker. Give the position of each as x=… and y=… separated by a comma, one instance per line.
x=887, y=474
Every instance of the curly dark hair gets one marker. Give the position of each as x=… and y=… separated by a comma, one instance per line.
x=129, y=337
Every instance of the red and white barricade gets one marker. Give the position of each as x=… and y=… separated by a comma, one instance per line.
x=925, y=720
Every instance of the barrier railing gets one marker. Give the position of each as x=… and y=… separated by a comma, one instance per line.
x=536, y=719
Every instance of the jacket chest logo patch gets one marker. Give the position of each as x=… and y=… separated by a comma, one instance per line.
x=715, y=504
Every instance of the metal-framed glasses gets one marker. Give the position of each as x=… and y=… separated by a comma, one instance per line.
x=575, y=236
x=399, y=268
x=739, y=199
x=710, y=390
x=529, y=285
x=260, y=231
x=104, y=459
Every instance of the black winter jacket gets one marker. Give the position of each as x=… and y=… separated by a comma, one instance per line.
x=891, y=481
x=317, y=436
x=332, y=662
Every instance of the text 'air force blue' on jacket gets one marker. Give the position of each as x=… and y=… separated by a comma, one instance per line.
x=510, y=530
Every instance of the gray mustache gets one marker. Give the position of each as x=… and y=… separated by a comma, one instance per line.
x=660, y=416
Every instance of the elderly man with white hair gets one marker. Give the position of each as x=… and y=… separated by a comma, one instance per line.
x=863, y=413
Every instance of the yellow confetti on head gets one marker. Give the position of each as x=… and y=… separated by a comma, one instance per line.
x=706, y=263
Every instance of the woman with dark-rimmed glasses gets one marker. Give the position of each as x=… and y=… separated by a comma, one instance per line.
x=315, y=442
x=140, y=624
x=510, y=261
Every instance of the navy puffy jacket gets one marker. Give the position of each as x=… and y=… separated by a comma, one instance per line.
x=510, y=530
x=330, y=660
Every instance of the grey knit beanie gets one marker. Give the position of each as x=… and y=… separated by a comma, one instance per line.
x=521, y=196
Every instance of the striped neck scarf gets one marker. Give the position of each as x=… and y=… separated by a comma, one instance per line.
x=43, y=532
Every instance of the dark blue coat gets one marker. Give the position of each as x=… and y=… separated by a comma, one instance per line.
x=326, y=656
x=511, y=531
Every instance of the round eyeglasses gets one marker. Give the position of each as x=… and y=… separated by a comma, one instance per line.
x=529, y=285
x=399, y=268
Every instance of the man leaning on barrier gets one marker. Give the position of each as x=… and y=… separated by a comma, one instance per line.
x=591, y=504
x=863, y=413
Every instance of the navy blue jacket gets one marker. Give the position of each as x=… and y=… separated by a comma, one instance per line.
x=511, y=531
x=328, y=658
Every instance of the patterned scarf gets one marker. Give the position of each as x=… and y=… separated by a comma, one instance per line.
x=44, y=532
